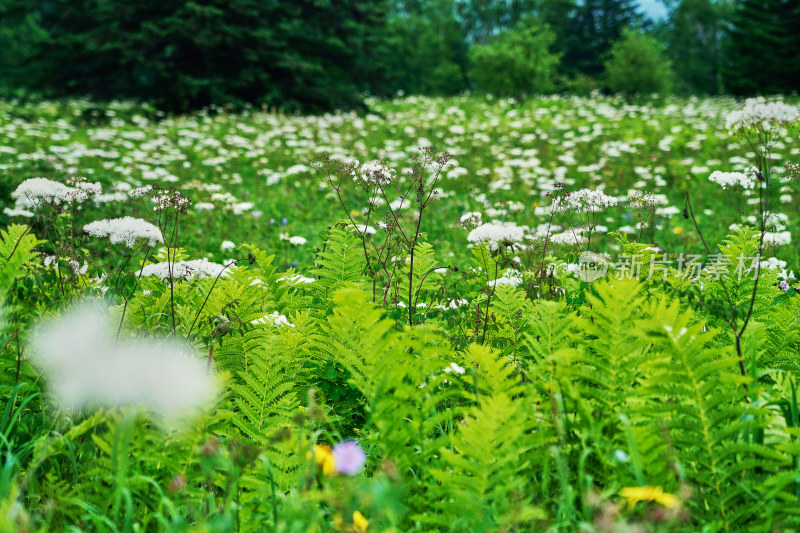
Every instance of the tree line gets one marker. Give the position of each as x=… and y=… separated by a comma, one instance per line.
x=313, y=55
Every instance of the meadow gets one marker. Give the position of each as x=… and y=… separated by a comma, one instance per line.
x=442, y=314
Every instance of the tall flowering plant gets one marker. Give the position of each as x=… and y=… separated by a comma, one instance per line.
x=759, y=125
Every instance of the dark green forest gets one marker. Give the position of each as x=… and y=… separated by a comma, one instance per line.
x=315, y=55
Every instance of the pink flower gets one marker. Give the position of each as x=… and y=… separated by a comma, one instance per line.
x=349, y=458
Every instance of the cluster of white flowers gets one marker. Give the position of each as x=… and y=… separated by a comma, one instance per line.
x=584, y=200
x=17, y=212
x=77, y=268
x=297, y=240
x=733, y=179
x=777, y=238
x=296, y=279
x=365, y=229
x=140, y=191
x=452, y=304
x=454, y=367
x=777, y=221
x=471, y=220
x=274, y=319
x=495, y=234
x=374, y=172
x=569, y=238
x=510, y=277
x=200, y=268
x=645, y=201
x=125, y=230
x=760, y=115
x=34, y=192
x=773, y=263
x=169, y=199
x=227, y=245
x=87, y=366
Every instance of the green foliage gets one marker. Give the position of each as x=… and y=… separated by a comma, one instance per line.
x=211, y=52
x=638, y=65
x=425, y=49
x=696, y=42
x=341, y=261
x=513, y=397
x=591, y=28
x=516, y=62
x=761, y=44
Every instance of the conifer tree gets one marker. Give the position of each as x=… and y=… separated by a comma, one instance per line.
x=762, y=52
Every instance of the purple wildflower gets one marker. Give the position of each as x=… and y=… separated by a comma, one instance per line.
x=284, y=221
x=784, y=285
x=348, y=457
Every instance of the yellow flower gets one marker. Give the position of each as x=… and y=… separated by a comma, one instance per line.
x=677, y=230
x=360, y=523
x=323, y=457
x=635, y=495
x=354, y=213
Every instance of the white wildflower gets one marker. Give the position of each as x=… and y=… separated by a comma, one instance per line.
x=511, y=278
x=125, y=230
x=584, y=200
x=42, y=191
x=453, y=367
x=471, y=220
x=365, y=229
x=496, y=234
x=296, y=279
x=87, y=367
x=732, y=179
x=569, y=238
x=760, y=115
x=274, y=319
x=778, y=238
x=374, y=172
x=297, y=240
x=140, y=191
x=17, y=212
x=200, y=268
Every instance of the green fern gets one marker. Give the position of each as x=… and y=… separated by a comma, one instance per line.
x=341, y=262
x=696, y=391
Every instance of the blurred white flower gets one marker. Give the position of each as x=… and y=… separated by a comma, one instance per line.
x=85, y=367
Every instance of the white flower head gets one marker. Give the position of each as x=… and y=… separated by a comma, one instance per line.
x=454, y=367
x=274, y=319
x=733, y=179
x=584, y=200
x=471, y=220
x=568, y=238
x=760, y=115
x=777, y=238
x=374, y=172
x=125, y=230
x=199, y=268
x=35, y=192
x=496, y=235
x=87, y=366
